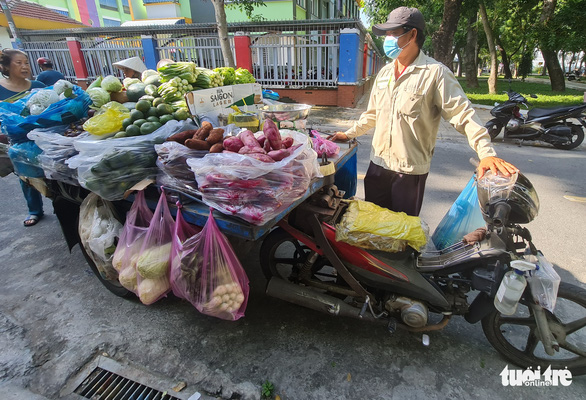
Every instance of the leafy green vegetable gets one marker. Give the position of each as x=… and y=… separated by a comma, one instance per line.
x=153, y=263
x=244, y=76
x=99, y=96
x=228, y=75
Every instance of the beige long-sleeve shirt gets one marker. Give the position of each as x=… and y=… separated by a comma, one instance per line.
x=406, y=112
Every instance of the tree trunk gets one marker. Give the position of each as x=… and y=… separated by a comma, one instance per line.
x=505, y=59
x=443, y=38
x=492, y=79
x=556, y=75
x=470, y=51
x=223, y=33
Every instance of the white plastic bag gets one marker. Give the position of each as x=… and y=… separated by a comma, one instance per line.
x=256, y=191
x=544, y=282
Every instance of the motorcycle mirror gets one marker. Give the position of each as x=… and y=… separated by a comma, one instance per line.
x=533, y=96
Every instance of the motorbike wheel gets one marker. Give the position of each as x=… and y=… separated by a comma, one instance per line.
x=575, y=141
x=113, y=286
x=494, y=127
x=282, y=256
x=515, y=336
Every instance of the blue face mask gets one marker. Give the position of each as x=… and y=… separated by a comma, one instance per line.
x=391, y=46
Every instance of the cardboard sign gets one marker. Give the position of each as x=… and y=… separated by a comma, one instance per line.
x=209, y=104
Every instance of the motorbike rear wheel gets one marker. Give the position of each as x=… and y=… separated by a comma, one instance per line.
x=515, y=336
x=282, y=256
x=575, y=141
x=113, y=286
x=494, y=127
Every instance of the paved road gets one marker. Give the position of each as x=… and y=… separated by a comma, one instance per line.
x=55, y=316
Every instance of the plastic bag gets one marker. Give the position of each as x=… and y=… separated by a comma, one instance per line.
x=321, y=145
x=107, y=120
x=16, y=124
x=544, y=282
x=253, y=190
x=185, y=261
x=57, y=149
x=366, y=225
x=152, y=264
x=6, y=167
x=99, y=229
x=221, y=286
x=133, y=233
x=25, y=159
x=110, y=167
x=463, y=217
x=173, y=169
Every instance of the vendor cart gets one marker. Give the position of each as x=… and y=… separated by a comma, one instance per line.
x=67, y=199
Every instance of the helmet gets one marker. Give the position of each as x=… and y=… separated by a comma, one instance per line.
x=43, y=61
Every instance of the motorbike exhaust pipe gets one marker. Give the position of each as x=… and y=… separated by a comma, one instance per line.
x=306, y=297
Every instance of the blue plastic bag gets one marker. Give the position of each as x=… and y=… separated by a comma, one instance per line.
x=24, y=157
x=462, y=218
x=346, y=177
x=16, y=125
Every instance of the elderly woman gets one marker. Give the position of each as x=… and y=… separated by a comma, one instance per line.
x=131, y=67
x=15, y=67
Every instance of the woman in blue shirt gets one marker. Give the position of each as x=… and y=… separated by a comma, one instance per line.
x=15, y=67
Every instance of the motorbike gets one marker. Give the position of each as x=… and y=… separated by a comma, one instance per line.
x=573, y=75
x=420, y=292
x=546, y=124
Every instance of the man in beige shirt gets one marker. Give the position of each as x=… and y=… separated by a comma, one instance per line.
x=408, y=98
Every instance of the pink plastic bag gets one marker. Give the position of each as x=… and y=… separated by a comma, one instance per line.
x=321, y=145
x=221, y=286
x=133, y=234
x=183, y=275
x=152, y=264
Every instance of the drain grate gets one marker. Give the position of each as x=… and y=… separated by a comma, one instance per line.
x=106, y=385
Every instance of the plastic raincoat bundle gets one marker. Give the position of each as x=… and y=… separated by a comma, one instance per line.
x=133, y=234
x=254, y=190
x=110, y=167
x=56, y=150
x=366, y=225
x=98, y=230
x=463, y=217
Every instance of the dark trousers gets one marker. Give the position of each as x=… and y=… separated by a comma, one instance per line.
x=393, y=190
x=33, y=197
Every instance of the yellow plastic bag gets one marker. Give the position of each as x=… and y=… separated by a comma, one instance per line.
x=372, y=227
x=107, y=120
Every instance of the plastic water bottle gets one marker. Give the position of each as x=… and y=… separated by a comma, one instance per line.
x=512, y=287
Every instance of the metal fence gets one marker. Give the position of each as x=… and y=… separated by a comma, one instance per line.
x=205, y=51
x=58, y=52
x=100, y=53
x=296, y=59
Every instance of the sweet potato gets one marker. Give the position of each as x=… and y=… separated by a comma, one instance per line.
x=203, y=132
x=233, y=144
x=181, y=137
x=261, y=140
x=278, y=155
x=261, y=157
x=272, y=134
x=197, y=144
x=287, y=142
x=217, y=148
x=216, y=136
x=248, y=139
x=267, y=146
x=251, y=149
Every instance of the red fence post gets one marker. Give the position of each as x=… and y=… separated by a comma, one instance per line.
x=242, y=50
x=78, y=61
x=365, y=61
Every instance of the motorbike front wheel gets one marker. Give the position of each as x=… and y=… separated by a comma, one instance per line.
x=516, y=336
x=574, y=141
x=494, y=127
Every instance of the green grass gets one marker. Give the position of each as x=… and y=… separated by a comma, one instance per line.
x=545, y=97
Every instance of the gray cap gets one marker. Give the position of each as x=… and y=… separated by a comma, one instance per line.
x=402, y=16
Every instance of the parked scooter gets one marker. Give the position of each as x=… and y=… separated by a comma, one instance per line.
x=419, y=293
x=546, y=124
x=573, y=75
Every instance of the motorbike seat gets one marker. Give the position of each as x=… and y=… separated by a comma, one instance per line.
x=544, y=112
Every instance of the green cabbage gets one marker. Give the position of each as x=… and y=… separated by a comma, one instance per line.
x=111, y=84
x=147, y=73
x=153, y=263
x=99, y=96
x=126, y=82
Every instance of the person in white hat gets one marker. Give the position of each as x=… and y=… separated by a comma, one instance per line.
x=409, y=97
x=131, y=67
